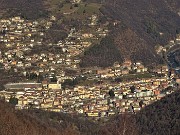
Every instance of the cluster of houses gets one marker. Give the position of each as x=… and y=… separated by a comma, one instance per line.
x=76, y=1
x=18, y=32
x=171, y=43
x=77, y=42
x=92, y=101
x=127, y=67
x=22, y=37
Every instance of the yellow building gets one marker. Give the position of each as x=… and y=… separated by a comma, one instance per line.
x=92, y=114
x=54, y=86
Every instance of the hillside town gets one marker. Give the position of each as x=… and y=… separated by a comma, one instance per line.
x=94, y=92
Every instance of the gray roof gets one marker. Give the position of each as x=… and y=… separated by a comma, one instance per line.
x=22, y=85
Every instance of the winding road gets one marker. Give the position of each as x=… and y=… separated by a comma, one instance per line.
x=171, y=61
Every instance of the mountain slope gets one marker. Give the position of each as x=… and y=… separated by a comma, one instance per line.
x=148, y=24
x=147, y=19
x=39, y=122
x=131, y=46
x=29, y=9
x=103, y=55
x=161, y=117
x=17, y=123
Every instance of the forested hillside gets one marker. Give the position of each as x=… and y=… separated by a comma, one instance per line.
x=103, y=54
x=160, y=118
x=14, y=122
x=148, y=24
x=38, y=122
x=28, y=9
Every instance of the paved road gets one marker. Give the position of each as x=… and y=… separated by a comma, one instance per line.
x=172, y=61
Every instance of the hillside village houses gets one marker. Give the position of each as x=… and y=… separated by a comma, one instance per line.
x=45, y=72
x=19, y=34
x=87, y=99
x=76, y=1
x=90, y=100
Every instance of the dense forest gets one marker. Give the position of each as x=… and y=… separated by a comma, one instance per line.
x=103, y=54
x=28, y=9
x=14, y=122
x=161, y=117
